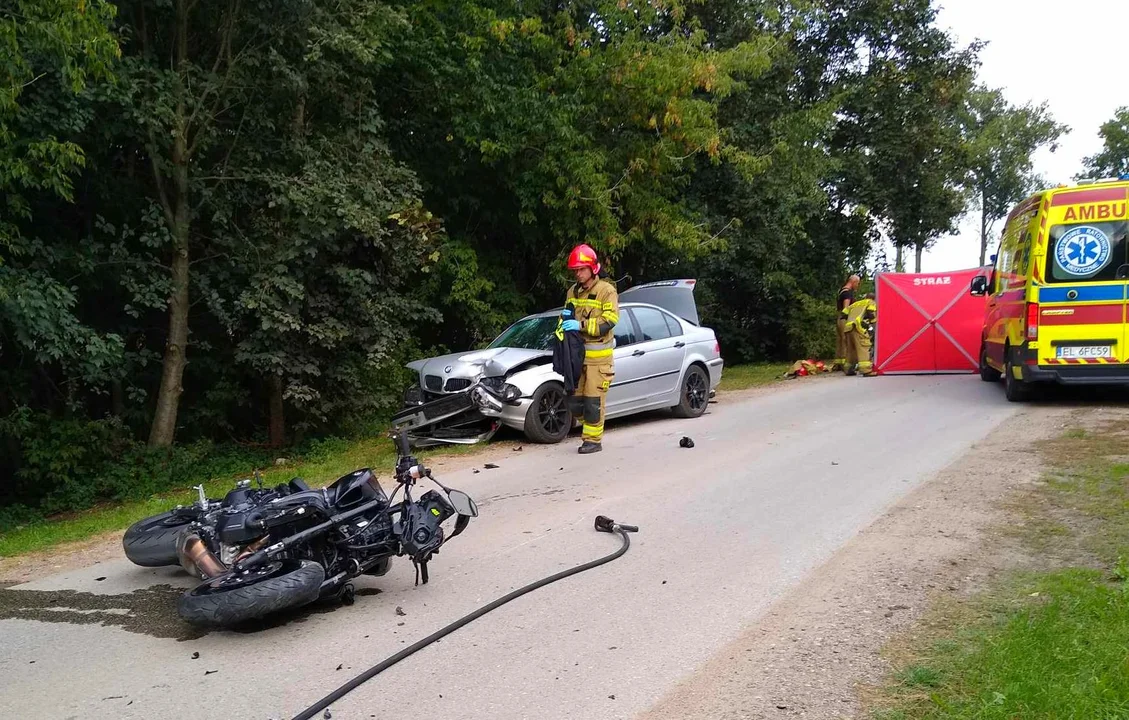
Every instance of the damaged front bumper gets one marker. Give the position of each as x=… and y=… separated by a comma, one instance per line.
x=462, y=418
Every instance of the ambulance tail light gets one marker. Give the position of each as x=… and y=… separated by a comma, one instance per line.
x=1032, y=321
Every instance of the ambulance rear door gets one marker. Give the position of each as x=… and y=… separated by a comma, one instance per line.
x=1084, y=303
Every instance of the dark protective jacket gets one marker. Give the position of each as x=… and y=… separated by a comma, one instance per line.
x=568, y=358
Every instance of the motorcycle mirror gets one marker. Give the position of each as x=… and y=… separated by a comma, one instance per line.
x=462, y=503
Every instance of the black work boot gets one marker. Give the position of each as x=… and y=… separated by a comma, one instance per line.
x=589, y=447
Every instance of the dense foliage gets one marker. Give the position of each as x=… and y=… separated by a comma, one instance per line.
x=1113, y=159
x=232, y=222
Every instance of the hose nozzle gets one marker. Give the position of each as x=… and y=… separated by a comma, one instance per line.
x=606, y=524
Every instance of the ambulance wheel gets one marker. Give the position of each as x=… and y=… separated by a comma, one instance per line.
x=548, y=419
x=987, y=372
x=1015, y=389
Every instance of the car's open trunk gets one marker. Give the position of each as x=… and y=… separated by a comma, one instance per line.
x=675, y=296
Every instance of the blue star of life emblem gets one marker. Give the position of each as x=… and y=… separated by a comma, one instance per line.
x=1083, y=251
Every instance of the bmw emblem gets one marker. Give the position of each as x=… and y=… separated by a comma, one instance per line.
x=447, y=369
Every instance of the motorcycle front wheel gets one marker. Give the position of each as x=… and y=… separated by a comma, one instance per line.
x=236, y=597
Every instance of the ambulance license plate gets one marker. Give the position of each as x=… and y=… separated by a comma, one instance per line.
x=1081, y=352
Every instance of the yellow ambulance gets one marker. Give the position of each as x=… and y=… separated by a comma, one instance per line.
x=1058, y=292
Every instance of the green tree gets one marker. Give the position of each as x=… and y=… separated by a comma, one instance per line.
x=44, y=42
x=260, y=127
x=536, y=127
x=49, y=51
x=904, y=84
x=1113, y=160
x=1002, y=139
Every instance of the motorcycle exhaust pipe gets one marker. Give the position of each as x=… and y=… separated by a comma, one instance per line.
x=252, y=548
x=196, y=558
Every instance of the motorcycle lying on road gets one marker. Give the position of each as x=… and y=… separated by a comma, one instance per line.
x=261, y=550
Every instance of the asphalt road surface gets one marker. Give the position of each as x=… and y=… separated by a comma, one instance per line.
x=776, y=483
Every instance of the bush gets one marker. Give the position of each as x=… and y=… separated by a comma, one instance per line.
x=811, y=329
x=67, y=465
x=58, y=459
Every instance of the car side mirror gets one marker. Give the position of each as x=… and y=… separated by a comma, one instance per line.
x=979, y=286
x=462, y=503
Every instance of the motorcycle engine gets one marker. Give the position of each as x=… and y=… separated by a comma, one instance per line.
x=372, y=531
x=239, y=527
x=423, y=532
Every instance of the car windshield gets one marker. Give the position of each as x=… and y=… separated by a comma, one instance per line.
x=535, y=333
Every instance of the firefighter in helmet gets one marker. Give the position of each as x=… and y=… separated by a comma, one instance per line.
x=861, y=318
x=595, y=306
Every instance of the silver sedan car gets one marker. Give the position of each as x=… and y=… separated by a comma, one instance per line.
x=664, y=359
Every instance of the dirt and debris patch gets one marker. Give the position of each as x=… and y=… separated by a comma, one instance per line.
x=814, y=648
x=1077, y=514
x=149, y=611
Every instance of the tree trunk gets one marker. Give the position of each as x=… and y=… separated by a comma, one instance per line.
x=277, y=421
x=299, y=126
x=163, y=430
x=117, y=399
x=172, y=373
x=983, y=232
x=919, y=250
x=899, y=261
x=10, y=460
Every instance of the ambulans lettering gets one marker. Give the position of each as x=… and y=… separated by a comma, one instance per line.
x=1082, y=251
x=1104, y=211
x=947, y=280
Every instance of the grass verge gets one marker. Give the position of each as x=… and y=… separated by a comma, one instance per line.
x=1036, y=644
x=376, y=453
x=744, y=377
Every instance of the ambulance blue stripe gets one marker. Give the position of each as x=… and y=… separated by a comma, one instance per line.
x=1086, y=293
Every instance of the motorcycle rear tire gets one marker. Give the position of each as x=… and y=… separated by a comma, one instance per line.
x=152, y=542
x=292, y=584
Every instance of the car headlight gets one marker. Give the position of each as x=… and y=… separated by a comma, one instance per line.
x=501, y=389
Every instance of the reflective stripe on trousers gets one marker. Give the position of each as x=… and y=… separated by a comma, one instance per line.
x=588, y=405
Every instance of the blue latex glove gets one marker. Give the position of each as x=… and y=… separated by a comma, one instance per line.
x=568, y=325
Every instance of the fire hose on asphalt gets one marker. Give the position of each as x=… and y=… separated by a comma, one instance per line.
x=603, y=524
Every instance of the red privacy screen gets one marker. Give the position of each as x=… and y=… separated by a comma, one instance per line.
x=928, y=323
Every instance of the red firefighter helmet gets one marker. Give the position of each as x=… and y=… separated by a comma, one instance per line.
x=583, y=256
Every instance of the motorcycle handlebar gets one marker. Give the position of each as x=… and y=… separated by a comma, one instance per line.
x=402, y=440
